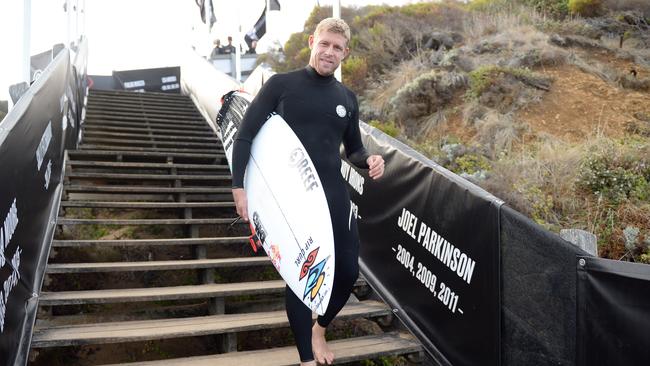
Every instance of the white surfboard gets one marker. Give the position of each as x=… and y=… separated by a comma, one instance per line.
x=288, y=211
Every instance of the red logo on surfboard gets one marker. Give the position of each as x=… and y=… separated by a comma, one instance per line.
x=315, y=274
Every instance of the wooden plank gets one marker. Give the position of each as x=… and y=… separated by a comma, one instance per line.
x=178, y=120
x=144, y=189
x=150, y=205
x=57, y=268
x=117, y=332
x=215, y=177
x=142, y=114
x=165, y=293
x=99, y=122
x=151, y=242
x=345, y=350
x=114, y=164
x=136, y=95
x=149, y=149
x=226, y=221
x=150, y=136
x=90, y=152
x=102, y=128
x=136, y=107
x=93, y=140
x=188, y=122
x=161, y=293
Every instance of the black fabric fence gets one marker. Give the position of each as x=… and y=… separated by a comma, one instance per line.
x=613, y=316
x=525, y=301
x=33, y=137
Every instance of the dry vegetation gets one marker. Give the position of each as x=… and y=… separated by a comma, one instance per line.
x=545, y=103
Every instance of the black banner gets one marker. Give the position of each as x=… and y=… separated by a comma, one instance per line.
x=430, y=248
x=613, y=312
x=32, y=140
x=161, y=80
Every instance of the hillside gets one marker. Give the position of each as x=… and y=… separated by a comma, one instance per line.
x=548, y=110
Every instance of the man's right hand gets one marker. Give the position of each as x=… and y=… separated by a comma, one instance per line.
x=241, y=202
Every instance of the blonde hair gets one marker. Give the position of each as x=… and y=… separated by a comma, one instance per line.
x=334, y=25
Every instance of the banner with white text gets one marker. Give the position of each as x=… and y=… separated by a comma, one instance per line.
x=32, y=140
x=432, y=238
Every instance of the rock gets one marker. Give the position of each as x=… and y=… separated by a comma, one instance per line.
x=582, y=239
x=438, y=40
x=641, y=116
x=557, y=40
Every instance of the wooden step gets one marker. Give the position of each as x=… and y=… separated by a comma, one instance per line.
x=113, y=164
x=94, y=134
x=179, y=123
x=171, y=123
x=100, y=122
x=121, y=176
x=345, y=350
x=165, y=293
x=116, y=152
x=147, y=205
x=161, y=293
x=150, y=242
x=145, y=115
x=130, y=331
x=145, y=189
x=176, y=144
x=226, y=221
x=144, y=130
x=56, y=268
x=94, y=93
x=141, y=102
x=216, y=149
x=136, y=107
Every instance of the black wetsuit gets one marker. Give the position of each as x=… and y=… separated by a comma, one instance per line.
x=323, y=113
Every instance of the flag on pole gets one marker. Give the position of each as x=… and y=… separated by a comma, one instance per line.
x=259, y=29
x=206, y=11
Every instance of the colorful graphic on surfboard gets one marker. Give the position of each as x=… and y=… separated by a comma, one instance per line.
x=287, y=208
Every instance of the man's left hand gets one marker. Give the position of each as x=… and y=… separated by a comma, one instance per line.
x=375, y=166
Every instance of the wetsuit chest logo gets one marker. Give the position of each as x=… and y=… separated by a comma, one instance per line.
x=340, y=110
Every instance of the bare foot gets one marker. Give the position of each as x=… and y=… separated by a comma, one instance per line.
x=322, y=352
x=310, y=363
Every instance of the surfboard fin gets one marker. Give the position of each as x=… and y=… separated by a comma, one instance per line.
x=254, y=239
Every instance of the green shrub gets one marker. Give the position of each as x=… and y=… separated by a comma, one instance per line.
x=586, y=8
x=470, y=164
x=557, y=8
x=482, y=5
x=389, y=128
x=615, y=177
x=355, y=70
x=481, y=79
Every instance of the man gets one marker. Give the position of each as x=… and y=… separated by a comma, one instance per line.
x=323, y=113
x=228, y=49
x=217, y=50
x=252, y=47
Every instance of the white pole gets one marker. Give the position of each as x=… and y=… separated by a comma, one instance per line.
x=238, y=56
x=237, y=47
x=76, y=21
x=83, y=18
x=336, y=13
x=27, y=38
x=68, y=12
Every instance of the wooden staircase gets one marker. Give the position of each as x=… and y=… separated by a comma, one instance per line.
x=147, y=267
